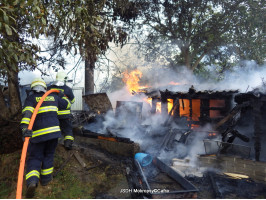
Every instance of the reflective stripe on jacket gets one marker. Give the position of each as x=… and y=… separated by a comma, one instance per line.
x=64, y=113
x=46, y=125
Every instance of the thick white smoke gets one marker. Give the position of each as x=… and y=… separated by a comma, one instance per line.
x=150, y=131
x=243, y=78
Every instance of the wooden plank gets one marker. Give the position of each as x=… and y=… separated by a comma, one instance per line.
x=79, y=159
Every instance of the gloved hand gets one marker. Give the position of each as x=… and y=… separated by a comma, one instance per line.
x=61, y=94
x=26, y=133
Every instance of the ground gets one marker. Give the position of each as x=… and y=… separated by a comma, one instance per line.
x=100, y=175
x=99, y=180
x=10, y=137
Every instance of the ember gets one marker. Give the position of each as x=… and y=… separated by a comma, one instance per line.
x=174, y=83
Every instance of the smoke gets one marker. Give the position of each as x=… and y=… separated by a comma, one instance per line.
x=244, y=77
x=189, y=150
x=196, y=146
x=119, y=95
x=130, y=121
x=149, y=130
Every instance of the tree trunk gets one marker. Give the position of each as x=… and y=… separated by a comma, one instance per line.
x=4, y=114
x=10, y=115
x=12, y=111
x=186, y=55
x=89, y=74
x=14, y=95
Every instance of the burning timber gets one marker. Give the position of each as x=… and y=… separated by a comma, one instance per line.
x=228, y=113
x=189, y=110
x=112, y=144
x=199, y=108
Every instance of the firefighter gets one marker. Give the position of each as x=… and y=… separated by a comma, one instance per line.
x=43, y=136
x=65, y=115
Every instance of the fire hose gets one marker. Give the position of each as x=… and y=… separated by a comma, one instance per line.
x=26, y=143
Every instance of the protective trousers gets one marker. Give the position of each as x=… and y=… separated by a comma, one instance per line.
x=40, y=161
x=66, y=129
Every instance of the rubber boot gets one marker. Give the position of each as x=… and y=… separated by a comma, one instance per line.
x=68, y=144
x=44, y=183
x=31, y=190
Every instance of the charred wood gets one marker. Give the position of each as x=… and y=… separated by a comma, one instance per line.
x=199, y=94
x=98, y=103
x=90, y=134
x=257, y=127
x=175, y=104
x=218, y=195
x=231, y=114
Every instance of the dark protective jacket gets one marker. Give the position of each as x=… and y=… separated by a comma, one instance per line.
x=64, y=113
x=46, y=125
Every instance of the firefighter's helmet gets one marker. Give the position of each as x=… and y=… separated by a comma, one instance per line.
x=61, y=76
x=38, y=85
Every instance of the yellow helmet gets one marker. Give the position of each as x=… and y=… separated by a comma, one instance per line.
x=61, y=76
x=38, y=82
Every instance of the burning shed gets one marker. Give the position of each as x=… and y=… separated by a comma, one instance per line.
x=118, y=132
x=198, y=107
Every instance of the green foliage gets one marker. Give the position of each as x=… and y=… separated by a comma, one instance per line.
x=87, y=27
x=203, y=32
x=18, y=21
x=83, y=26
x=5, y=190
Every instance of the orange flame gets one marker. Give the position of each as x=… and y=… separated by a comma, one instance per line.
x=212, y=134
x=148, y=100
x=158, y=107
x=170, y=104
x=174, y=83
x=132, y=80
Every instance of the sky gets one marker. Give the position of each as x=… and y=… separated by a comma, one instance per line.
x=242, y=78
x=26, y=77
x=78, y=77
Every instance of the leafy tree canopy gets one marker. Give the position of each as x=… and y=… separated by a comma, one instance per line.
x=87, y=27
x=83, y=26
x=19, y=20
x=203, y=32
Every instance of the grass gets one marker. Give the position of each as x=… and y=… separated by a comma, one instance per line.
x=5, y=190
x=69, y=187
x=72, y=182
